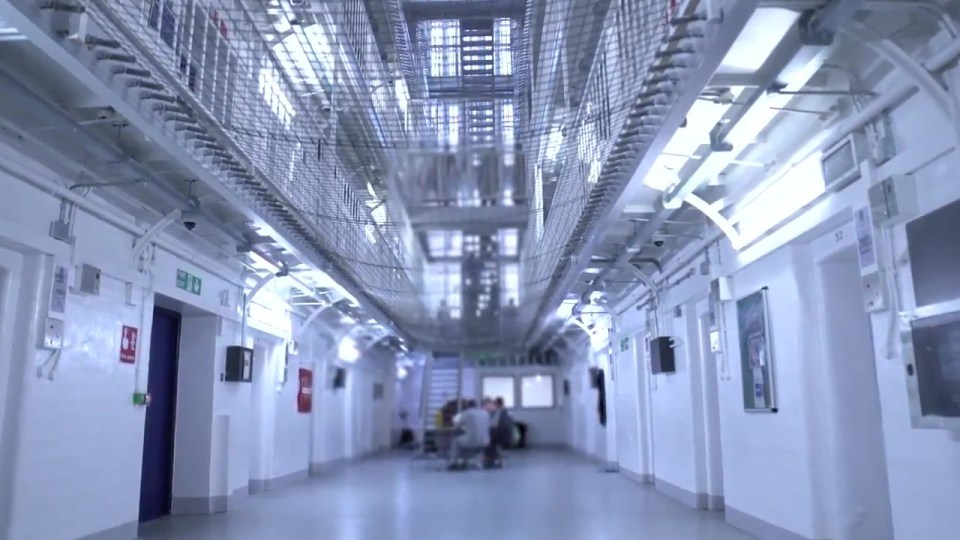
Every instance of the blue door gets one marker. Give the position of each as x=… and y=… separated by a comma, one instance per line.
x=156, y=479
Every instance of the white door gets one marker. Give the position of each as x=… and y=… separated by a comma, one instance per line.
x=710, y=388
x=628, y=410
x=862, y=506
x=11, y=264
x=263, y=395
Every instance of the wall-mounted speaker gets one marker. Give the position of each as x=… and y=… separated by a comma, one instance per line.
x=662, y=359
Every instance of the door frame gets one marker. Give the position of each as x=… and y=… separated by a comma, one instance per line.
x=710, y=401
x=263, y=411
x=11, y=270
x=175, y=397
x=838, y=415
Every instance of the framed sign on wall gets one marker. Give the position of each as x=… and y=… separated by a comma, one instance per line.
x=756, y=353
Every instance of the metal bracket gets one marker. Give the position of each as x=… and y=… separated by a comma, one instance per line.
x=819, y=27
x=717, y=144
x=811, y=33
x=141, y=244
x=262, y=282
x=779, y=88
x=310, y=318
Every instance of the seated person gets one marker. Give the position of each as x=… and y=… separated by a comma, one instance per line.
x=475, y=424
x=501, y=434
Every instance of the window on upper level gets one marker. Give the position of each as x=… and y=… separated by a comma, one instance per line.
x=273, y=94
x=446, y=119
x=509, y=242
x=510, y=290
x=444, y=47
x=443, y=285
x=445, y=243
x=507, y=124
x=503, y=47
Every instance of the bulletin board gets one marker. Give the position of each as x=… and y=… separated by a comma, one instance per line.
x=756, y=353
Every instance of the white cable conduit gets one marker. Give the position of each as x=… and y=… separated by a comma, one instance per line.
x=910, y=67
x=894, y=97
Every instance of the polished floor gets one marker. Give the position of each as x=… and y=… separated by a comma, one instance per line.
x=538, y=495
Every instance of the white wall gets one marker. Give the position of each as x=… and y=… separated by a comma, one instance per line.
x=545, y=426
x=780, y=467
x=71, y=447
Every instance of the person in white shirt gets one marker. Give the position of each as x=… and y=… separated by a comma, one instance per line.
x=475, y=423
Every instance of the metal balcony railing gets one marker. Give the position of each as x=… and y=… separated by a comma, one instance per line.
x=632, y=82
x=258, y=101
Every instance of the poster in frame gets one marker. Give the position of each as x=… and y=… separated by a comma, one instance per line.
x=756, y=353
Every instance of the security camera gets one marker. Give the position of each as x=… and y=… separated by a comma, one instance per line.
x=658, y=242
x=190, y=225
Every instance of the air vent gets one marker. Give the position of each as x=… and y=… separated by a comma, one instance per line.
x=841, y=162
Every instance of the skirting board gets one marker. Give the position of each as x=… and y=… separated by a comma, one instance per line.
x=760, y=528
x=317, y=469
x=700, y=501
x=127, y=531
x=637, y=477
x=208, y=505
x=270, y=484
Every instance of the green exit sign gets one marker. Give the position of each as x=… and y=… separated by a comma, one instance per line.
x=189, y=282
x=624, y=344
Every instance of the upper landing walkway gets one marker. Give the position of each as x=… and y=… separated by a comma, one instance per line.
x=538, y=495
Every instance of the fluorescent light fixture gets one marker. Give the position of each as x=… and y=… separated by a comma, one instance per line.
x=348, y=351
x=776, y=201
x=346, y=319
x=591, y=270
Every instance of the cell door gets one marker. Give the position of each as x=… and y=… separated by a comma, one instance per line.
x=156, y=478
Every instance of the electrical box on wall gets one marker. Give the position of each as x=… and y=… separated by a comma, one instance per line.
x=58, y=291
x=239, y=367
x=51, y=335
x=662, y=359
x=893, y=200
x=721, y=289
x=841, y=162
x=88, y=279
x=874, y=292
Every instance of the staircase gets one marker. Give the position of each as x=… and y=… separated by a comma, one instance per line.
x=441, y=382
x=443, y=386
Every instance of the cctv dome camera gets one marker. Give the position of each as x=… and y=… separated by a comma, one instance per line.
x=190, y=225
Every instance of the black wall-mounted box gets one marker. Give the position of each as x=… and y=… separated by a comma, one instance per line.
x=661, y=356
x=239, y=366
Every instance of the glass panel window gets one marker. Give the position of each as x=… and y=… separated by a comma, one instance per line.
x=445, y=243
x=442, y=283
x=502, y=45
x=511, y=282
x=444, y=49
x=509, y=242
x=503, y=387
x=508, y=137
x=536, y=391
x=446, y=118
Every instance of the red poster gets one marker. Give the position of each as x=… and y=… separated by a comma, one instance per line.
x=128, y=345
x=305, y=393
